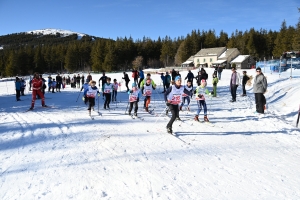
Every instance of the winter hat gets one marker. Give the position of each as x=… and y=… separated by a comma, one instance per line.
x=177, y=78
x=133, y=84
x=258, y=69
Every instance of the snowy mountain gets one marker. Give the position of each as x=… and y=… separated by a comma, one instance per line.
x=50, y=31
x=61, y=153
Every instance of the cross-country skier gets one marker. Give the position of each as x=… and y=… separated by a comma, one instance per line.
x=215, y=82
x=144, y=81
x=37, y=84
x=91, y=93
x=188, y=87
x=147, y=89
x=107, y=88
x=115, y=90
x=173, y=97
x=134, y=97
x=84, y=87
x=200, y=91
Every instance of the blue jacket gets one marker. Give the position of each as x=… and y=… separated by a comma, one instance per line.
x=18, y=85
x=141, y=74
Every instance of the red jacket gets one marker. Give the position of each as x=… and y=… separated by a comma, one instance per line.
x=37, y=84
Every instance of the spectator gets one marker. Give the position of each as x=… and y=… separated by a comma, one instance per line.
x=234, y=83
x=126, y=78
x=259, y=88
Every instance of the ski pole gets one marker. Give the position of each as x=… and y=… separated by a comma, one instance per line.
x=298, y=117
x=161, y=114
x=98, y=103
x=126, y=107
x=78, y=95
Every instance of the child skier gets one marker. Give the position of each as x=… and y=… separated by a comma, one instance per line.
x=147, y=89
x=37, y=85
x=215, y=82
x=200, y=91
x=115, y=90
x=173, y=98
x=134, y=97
x=84, y=87
x=90, y=94
x=107, y=88
x=188, y=87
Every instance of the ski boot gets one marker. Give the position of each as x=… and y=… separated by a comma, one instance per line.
x=178, y=119
x=129, y=113
x=169, y=130
x=89, y=112
x=206, y=119
x=146, y=109
x=135, y=114
x=196, y=118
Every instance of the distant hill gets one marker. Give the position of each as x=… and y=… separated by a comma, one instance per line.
x=42, y=36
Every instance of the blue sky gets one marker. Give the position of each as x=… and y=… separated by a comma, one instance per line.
x=120, y=18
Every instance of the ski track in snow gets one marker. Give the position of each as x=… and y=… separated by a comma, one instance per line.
x=60, y=153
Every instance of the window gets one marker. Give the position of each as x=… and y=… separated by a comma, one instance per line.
x=198, y=60
x=210, y=60
x=204, y=60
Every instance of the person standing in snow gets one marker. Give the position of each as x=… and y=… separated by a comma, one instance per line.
x=107, y=89
x=200, y=93
x=134, y=98
x=115, y=90
x=173, y=98
x=244, y=81
x=190, y=77
x=37, y=84
x=259, y=88
x=168, y=80
x=18, y=88
x=23, y=86
x=91, y=93
x=141, y=75
x=220, y=70
x=234, y=83
x=126, y=78
x=215, y=82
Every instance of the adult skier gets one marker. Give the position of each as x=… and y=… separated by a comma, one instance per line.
x=37, y=84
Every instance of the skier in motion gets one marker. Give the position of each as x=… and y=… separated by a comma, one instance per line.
x=90, y=93
x=37, y=84
x=173, y=96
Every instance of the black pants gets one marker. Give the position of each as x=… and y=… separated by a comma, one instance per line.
x=18, y=94
x=244, y=89
x=175, y=113
x=233, y=92
x=167, y=85
x=141, y=79
x=260, y=101
x=126, y=84
x=135, y=103
x=91, y=102
x=107, y=100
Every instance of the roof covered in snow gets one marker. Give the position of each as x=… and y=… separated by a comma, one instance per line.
x=240, y=59
x=211, y=51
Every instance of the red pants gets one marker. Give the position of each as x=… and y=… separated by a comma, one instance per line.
x=37, y=92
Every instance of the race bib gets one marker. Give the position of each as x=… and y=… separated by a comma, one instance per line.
x=132, y=98
x=148, y=92
x=107, y=91
x=176, y=99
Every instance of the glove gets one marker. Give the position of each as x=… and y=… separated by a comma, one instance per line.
x=167, y=104
x=209, y=94
x=195, y=92
x=131, y=91
x=214, y=84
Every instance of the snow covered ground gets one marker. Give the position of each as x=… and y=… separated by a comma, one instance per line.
x=60, y=153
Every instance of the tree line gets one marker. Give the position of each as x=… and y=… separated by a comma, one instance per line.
x=25, y=53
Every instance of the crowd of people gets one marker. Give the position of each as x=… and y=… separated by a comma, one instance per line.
x=176, y=94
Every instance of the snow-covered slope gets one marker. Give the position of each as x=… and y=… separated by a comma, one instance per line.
x=50, y=31
x=60, y=153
